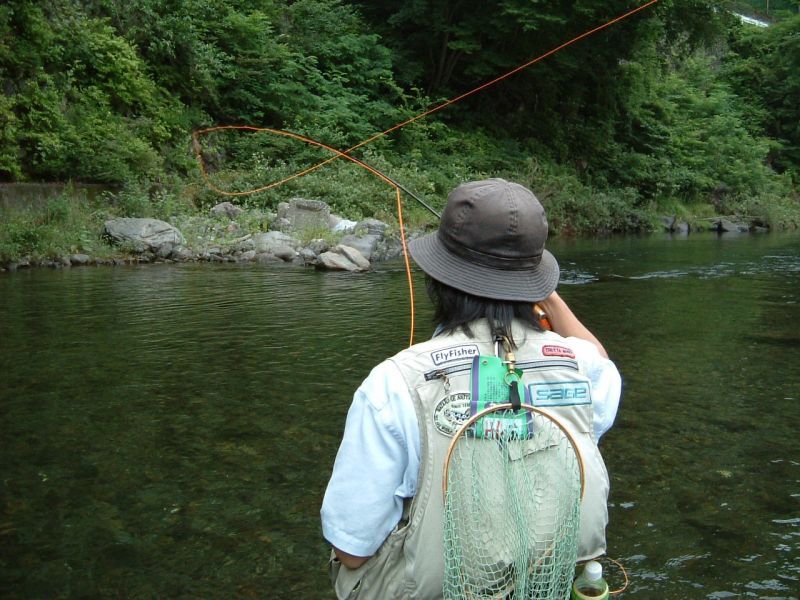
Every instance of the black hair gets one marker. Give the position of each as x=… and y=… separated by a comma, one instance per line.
x=455, y=309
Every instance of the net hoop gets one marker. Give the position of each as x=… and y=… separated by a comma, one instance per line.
x=508, y=406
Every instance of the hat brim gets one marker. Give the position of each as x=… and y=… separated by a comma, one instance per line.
x=528, y=285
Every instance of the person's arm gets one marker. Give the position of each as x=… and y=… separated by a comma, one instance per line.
x=373, y=470
x=348, y=560
x=565, y=323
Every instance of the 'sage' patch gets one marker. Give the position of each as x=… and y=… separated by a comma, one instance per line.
x=560, y=393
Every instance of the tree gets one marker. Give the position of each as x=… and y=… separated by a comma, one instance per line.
x=764, y=69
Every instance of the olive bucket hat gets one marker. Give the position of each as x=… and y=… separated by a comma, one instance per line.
x=490, y=243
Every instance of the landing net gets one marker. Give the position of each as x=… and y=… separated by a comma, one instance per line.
x=512, y=507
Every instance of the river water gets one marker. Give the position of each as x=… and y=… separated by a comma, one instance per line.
x=168, y=430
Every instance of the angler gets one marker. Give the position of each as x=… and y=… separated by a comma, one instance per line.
x=486, y=267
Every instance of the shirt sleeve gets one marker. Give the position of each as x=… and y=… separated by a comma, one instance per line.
x=606, y=385
x=376, y=466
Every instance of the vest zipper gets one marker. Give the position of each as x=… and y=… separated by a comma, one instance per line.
x=528, y=365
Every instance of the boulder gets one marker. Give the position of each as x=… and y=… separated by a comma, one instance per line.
x=242, y=244
x=371, y=227
x=682, y=227
x=181, y=253
x=387, y=248
x=365, y=244
x=340, y=225
x=333, y=261
x=267, y=242
x=165, y=250
x=301, y=214
x=267, y=258
x=318, y=246
x=143, y=234
x=308, y=256
x=79, y=259
x=668, y=222
x=226, y=209
x=342, y=258
x=281, y=224
x=724, y=225
x=673, y=225
x=353, y=255
x=285, y=253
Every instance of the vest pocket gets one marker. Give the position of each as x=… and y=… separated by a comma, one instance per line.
x=377, y=579
x=346, y=582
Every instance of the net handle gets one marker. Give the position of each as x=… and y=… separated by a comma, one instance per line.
x=507, y=406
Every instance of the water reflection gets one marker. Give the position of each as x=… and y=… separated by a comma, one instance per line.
x=169, y=430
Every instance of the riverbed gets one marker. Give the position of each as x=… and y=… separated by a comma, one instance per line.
x=168, y=430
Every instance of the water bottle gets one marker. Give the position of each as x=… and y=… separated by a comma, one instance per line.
x=590, y=584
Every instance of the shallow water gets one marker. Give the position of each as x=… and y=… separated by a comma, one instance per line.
x=168, y=430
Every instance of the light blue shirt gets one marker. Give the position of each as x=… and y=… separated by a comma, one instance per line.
x=378, y=461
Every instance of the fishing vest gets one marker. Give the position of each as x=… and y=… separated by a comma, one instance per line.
x=410, y=563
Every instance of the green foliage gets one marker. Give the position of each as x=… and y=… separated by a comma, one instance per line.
x=687, y=139
x=634, y=117
x=576, y=208
x=66, y=224
x=81, y=103
x=764, y=69
x=767, y=9
x=147, y=199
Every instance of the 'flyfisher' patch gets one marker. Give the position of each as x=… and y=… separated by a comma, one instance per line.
x=454, y=353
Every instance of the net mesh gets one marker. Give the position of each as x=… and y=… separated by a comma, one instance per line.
x=512, y=510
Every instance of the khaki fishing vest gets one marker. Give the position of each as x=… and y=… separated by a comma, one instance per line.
x=410, y=563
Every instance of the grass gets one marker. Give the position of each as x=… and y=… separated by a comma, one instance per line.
x=67, y=224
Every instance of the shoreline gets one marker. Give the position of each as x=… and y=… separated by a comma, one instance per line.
x=66, y=227
x=217, y=255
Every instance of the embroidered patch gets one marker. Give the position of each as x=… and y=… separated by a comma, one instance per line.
x=496, y=428
x=451, y=413
x=562, y=351
x=560, y=393
x=454, y=353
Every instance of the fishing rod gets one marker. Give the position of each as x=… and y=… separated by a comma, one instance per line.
x=414, y=196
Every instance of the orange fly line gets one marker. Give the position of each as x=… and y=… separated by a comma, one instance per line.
x=346, y=153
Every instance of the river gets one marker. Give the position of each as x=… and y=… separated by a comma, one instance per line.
x=168, y=430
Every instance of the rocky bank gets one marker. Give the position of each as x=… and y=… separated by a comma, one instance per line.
x=301, y=232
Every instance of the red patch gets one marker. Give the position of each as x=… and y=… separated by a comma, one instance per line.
x=561, y=351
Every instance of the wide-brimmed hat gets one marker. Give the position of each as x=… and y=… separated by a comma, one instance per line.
x=490, y=243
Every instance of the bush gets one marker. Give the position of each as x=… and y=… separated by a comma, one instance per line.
x=65, y=224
